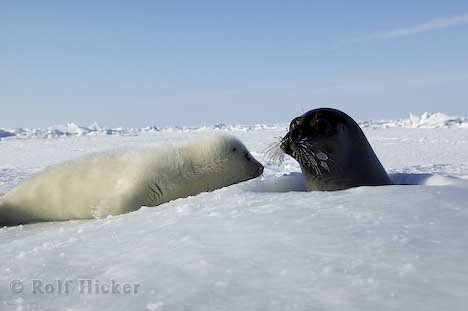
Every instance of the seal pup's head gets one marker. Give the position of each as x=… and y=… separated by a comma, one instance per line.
x=332, y=151
x=223, y=159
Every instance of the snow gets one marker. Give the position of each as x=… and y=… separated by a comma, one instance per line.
x=260, y=245
x=4, y=133
x=426, y=120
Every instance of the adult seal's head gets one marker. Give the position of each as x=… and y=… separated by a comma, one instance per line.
x=332, y=151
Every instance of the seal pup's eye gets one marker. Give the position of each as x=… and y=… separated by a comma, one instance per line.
x=234, y=149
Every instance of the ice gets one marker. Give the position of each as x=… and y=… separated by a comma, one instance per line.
x=425, y=120
x=261, y=245
x=4, y=133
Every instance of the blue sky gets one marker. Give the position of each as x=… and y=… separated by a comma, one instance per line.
x=138, y=63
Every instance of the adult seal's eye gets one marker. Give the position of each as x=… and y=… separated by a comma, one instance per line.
x=323, y=126
x=295, y=124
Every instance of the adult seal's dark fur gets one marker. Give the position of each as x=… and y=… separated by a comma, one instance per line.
x=332, y=151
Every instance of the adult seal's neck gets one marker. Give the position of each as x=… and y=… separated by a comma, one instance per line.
x=361, y=169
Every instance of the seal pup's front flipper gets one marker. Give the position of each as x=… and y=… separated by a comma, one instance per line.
x=4, y=212
x=13, y=215
x=2, y=207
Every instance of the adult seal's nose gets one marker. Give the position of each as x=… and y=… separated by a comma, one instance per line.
x=286, y=145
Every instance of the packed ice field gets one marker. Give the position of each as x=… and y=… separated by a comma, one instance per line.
x=265, y=244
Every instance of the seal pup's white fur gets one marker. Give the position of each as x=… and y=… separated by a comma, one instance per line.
x=122, y=181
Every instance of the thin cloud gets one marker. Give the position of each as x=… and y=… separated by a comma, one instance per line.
x=432, y=25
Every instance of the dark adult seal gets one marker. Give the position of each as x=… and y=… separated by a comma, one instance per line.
x=333, y=152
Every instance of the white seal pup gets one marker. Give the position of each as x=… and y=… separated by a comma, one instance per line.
x=123, y=181
x=333, y=152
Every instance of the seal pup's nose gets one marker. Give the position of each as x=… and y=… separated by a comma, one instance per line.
x=259, y=170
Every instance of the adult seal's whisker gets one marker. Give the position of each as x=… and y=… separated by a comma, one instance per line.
x=274, y=153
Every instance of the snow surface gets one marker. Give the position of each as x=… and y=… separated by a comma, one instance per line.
x=260, y=245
